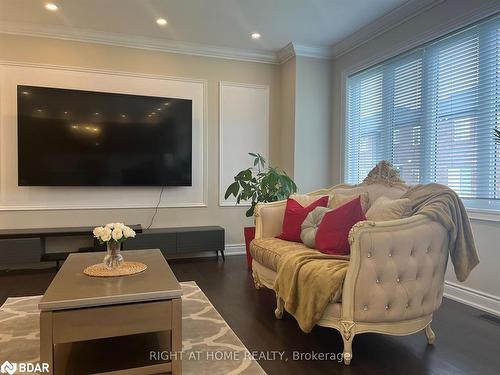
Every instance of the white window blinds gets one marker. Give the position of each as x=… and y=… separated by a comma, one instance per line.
x=432, y=113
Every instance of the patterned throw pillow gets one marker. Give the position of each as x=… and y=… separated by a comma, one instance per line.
x=310, y=226
x=295, y=214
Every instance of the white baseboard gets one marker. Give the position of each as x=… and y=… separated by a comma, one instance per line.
x=235, y=249
x=231, y=249
x=480, y=300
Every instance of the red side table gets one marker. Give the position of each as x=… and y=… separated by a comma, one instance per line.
x=249, y=236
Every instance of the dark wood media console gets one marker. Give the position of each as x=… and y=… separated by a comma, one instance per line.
x=176, y=241
x=18, y=246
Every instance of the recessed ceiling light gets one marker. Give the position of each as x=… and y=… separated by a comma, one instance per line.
x=161, y=21
x=51, y=6
x=255, y=36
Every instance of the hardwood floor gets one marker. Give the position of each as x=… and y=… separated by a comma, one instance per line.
x=467, y=339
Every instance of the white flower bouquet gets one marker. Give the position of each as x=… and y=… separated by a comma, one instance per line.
x=113, y=234
x=117, y=232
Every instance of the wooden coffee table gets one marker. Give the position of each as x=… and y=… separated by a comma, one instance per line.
x=79, y=313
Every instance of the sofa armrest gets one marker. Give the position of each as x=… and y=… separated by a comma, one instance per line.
x=396, y=271
x=269, y=219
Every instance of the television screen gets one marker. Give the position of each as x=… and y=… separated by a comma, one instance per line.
x=86, y=138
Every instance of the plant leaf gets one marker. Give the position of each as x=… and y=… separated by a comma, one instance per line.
x=249, y=212
x=232, y=190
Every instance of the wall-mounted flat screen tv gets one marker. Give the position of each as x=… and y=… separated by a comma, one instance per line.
x=86, y=138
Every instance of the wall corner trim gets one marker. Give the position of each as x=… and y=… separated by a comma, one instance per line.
x=293, y=49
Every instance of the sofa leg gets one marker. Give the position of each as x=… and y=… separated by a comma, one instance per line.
x=256, y=281
x=279, y=307
x=347, y=332
x=347, y=354
x=431, y=336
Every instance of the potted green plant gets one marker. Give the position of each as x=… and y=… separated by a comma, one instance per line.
x=259, y=183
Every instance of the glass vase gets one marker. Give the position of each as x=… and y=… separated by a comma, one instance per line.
x=113, y=258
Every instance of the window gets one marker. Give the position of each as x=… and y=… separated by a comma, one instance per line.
x=431, y=112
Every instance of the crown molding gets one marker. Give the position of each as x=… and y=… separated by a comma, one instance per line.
x=319, y=52
x=426, y=36
x=394, y=18
x=296, y=49
x=164, y=45
x=286, y=53
x=153, y=44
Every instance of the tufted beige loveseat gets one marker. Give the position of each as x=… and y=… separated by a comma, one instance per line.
x=395, y=278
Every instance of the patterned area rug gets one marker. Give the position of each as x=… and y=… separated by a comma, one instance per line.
x=206, y=337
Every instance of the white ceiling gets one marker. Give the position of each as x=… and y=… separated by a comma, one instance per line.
x=223, y=23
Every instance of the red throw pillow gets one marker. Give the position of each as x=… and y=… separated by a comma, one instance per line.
x=295, y=215
x=333, y=231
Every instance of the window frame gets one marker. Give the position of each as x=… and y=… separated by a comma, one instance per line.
x=488, y=211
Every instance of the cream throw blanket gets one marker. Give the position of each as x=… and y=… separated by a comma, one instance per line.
x=441, y=204
x=306, y=281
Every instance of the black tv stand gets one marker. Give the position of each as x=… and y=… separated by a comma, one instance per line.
x=178, y=241
x=18, y=246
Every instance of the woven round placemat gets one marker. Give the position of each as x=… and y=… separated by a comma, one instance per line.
x=126, y=268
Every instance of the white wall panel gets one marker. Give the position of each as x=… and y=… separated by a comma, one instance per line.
x=13, y=197
x=243, y=128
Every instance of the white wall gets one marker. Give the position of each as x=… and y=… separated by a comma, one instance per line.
x=306, y=121
x=312, y=123
x=483, y=286
x=31, y=50
x=287, y=76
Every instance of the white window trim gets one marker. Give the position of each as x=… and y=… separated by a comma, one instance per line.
x=483, y=215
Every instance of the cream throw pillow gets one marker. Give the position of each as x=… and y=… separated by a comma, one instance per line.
x=305, y=199
x=384, y=209
x=310, y=226
x=340, y=199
